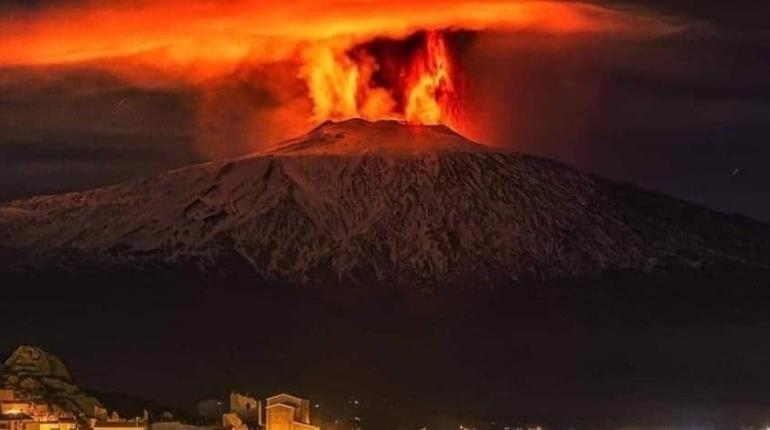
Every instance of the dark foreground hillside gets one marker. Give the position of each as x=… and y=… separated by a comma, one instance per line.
x=687, y=348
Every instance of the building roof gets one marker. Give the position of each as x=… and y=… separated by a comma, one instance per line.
x=120, y=424
x=14, y=417
x=308, y=426
x=285, y=395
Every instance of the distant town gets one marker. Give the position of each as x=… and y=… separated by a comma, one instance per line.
x=279, y=412
x=38, y=393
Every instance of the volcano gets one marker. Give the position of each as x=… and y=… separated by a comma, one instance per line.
x=379, y=203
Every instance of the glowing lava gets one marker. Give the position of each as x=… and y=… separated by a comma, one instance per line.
x=432, y=96
x=413, y=80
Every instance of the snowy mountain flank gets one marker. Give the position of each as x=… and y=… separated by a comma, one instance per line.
x=380, y=202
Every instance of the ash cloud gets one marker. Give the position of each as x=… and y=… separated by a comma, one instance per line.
x=678, y=114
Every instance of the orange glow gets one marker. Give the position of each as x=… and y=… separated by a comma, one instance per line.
x=233, y=30
x=339, y=86
x=345, y=85
x=431, y=95
x=197, y=41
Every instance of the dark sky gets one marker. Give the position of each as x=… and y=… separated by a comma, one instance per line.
x=687, y=114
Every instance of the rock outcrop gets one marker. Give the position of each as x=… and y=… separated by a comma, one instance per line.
x=33, y=374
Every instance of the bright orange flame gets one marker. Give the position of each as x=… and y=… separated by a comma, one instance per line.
x=342, y=85
x=431, y=97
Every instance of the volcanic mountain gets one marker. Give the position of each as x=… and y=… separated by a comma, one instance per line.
x=380, y=203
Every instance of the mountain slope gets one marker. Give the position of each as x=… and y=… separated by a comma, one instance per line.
x=383, y=203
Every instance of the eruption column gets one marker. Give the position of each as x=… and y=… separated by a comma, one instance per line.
x=353, y=82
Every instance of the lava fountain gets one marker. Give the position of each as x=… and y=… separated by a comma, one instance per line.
x=414, y=79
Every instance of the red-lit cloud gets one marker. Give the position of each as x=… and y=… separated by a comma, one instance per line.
x=227, y=48
x=226, y=31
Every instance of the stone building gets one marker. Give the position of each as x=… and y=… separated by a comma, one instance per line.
x=178, y=425
x=14, y=421
x=287, y=412
x=21, y=414
x=231, y=421
x=6, y=395
x=14, y=407
x=248, y=409
x=111, y=424
x=52, y=424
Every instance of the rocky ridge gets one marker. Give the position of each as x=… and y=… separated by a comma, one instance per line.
x=35, y=375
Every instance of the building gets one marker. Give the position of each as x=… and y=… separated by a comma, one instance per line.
x=14, y=421
x=287, y=412
x=19, y=414
x=231, y=421
x=52, y=424
x=113, y=424
x=25, y=421
x=178, y=425
x=15, y=407
x=248, y=409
